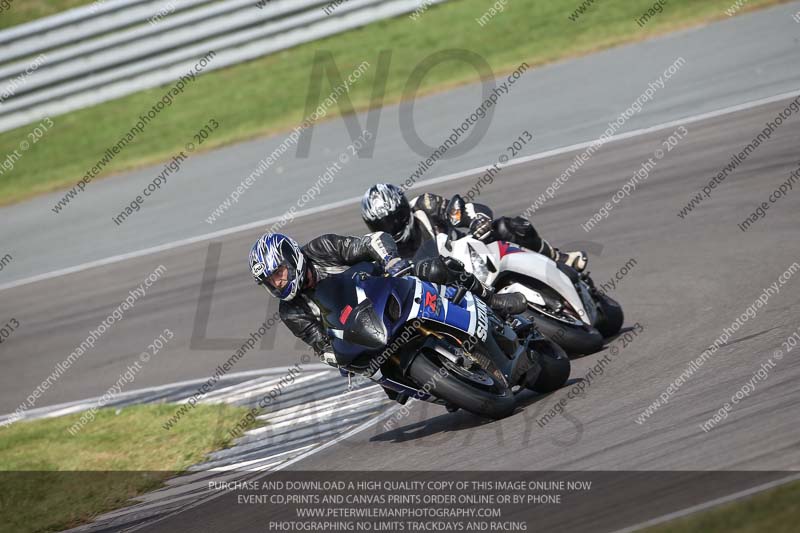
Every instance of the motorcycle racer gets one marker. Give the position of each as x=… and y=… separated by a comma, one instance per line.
x=384, y=207
x=290, y=272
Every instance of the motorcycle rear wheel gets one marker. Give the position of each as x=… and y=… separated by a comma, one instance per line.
x=575, y=339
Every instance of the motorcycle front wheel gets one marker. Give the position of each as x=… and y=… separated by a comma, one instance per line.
x=476, y=391
x=611, y=317
x=555, y=367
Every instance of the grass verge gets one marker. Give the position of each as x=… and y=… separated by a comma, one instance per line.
x=51, y=480
x=776, y=511
x=21, y=11
x=268, y=94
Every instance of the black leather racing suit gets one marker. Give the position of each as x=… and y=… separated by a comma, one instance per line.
x=432, y=209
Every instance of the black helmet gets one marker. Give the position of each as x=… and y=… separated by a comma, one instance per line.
x=384, y=207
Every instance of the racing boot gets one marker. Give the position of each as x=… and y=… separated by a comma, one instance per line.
x=507, y=304
x=503, y=304
x=577, y=260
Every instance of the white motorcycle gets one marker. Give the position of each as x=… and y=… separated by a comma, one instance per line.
x=564, y=304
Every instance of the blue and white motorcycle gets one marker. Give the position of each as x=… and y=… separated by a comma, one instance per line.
x=435, y=343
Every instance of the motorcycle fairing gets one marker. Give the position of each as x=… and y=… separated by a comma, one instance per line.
x=361, y=300
x=543, y=268
x=429, y=305
x=504, y=248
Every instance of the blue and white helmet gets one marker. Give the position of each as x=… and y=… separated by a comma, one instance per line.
x=269, y=253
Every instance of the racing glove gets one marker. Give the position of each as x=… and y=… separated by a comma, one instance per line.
x=481, y=227
x=433, y=205
x=329, y=358
x=398, y=267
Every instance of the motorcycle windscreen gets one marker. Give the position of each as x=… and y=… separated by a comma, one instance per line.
x=362, y=332
x=365, y=328
x=428, y=249
x=392, y=299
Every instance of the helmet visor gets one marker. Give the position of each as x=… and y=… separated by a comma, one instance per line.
x=280, y=281
x=397, y=223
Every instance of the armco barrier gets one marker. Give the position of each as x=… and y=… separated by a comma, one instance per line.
x=109, y=49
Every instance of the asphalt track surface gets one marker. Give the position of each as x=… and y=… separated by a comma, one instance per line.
x=693, y=277
x=732, y=61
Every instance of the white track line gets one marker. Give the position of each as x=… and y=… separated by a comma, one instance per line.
x=231, y=395
x=271, y=458
x=711, y=503
x=358, y=429
x=317, y=407
x=425, y=183
x=324, y=416
x=83, y=405
x=244, y=386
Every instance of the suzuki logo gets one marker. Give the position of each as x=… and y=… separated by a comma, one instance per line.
x=482, y=321
x=430, y=302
